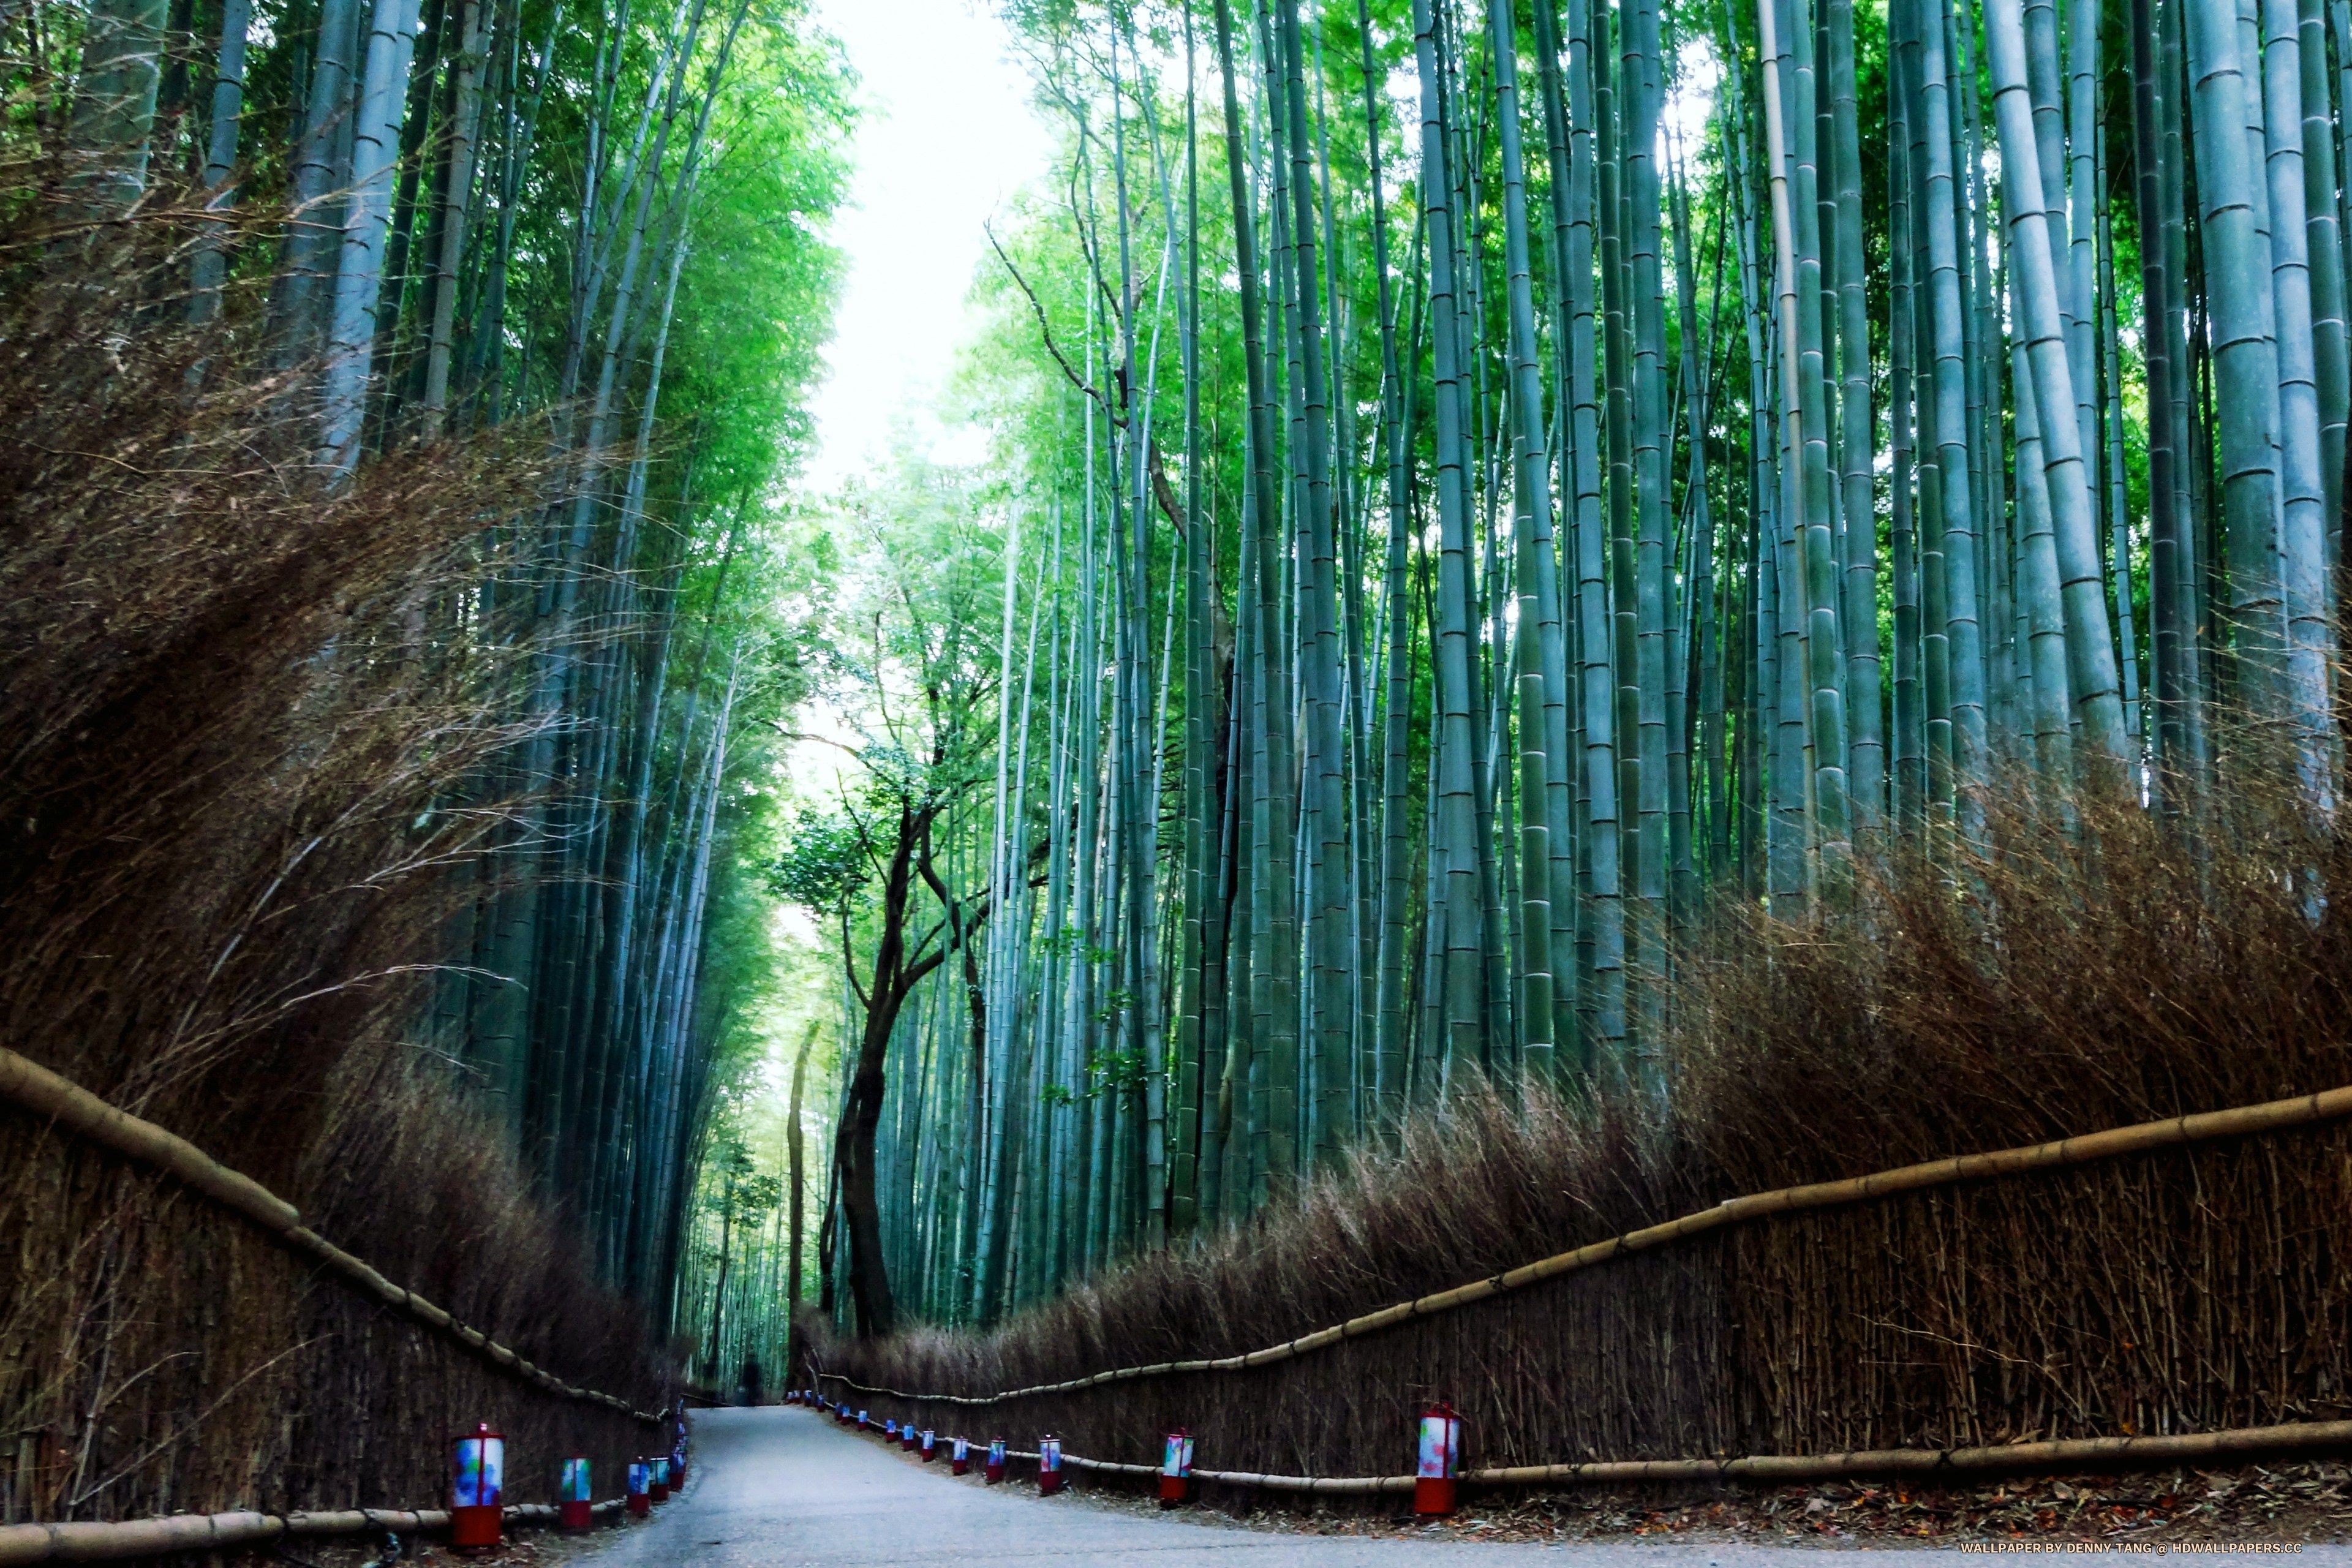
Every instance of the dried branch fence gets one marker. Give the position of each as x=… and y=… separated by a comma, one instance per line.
x=36, y=1089
x=2170, y=1292
x=160, y=1357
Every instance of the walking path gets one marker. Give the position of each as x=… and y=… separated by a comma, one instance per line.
x=785, y=1487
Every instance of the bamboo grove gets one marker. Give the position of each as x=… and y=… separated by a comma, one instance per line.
x=584, y=233
x=1483, y=486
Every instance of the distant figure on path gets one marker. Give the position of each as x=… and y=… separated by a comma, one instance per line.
x=752, y=1380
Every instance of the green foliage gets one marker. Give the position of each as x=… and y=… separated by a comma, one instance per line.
x=823, y=866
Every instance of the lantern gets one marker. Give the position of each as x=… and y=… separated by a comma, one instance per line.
x=862, y=1422
x=1049, y=1465
x=659, y=1491
x=889, y=1428
x=996, y=1468
x=907, y=1436
x=478, y=1489
x=1175, y=1468
x=641, y=1480
x=959, y=1458
x=1440, y=1460
x=575, y=1510
x=930, y=1446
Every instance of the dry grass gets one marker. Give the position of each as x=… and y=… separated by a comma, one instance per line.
x=241, y=709
x=2045, y=990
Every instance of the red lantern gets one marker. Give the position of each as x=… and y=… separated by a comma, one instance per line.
x=1176, y=1468
x=996, y=1468
x=930, y=1446
x=575, y=1507
x=1440, y=1460
x=641, y=1480
x=477, y=1466
x=959, y=1458
x=1049, y=1465
x=659, y=1491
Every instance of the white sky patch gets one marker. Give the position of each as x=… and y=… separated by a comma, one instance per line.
x=1692, y=100
x=948, y=138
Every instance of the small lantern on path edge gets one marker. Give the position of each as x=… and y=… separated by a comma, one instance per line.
x=996, y=1468
x=1176, y=1468
x=477, y=1463
x=929, y=1446
x=958, y=1457
x=1440, y=1460
x=575, y=1506
x=641, y=1480
x=1049, y=1465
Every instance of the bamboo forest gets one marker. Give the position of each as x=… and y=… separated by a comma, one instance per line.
x=1477, y=491
x=1561, y=611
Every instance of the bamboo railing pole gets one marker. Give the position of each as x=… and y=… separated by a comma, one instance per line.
x=37, y=1089
x=102, y=1543
x=2099, y=1453
x=2238, y=1122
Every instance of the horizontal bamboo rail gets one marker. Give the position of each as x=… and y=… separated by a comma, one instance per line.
x=2271, y=1116
x=42, y=1092
x=2095, y=1454
x=219, y=1532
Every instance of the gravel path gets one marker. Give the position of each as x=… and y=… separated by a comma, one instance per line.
x=785, y=1487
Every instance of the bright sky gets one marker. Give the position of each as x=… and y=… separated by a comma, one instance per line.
x=948, y=138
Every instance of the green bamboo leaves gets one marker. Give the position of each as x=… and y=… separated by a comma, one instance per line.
x=1517, y=621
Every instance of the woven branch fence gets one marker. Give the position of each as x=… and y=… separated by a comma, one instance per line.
x=2001, y=1458
x=2168, y=1292
x=174, y=1339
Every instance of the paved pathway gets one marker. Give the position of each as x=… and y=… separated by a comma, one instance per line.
x=785, y=1487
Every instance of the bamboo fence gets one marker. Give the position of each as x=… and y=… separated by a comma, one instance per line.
x=2165, y=1292
x=177, y=1340
x=2140, y=1452
x=110, y=1543
x=67, y=1104
x=2238, y=1122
